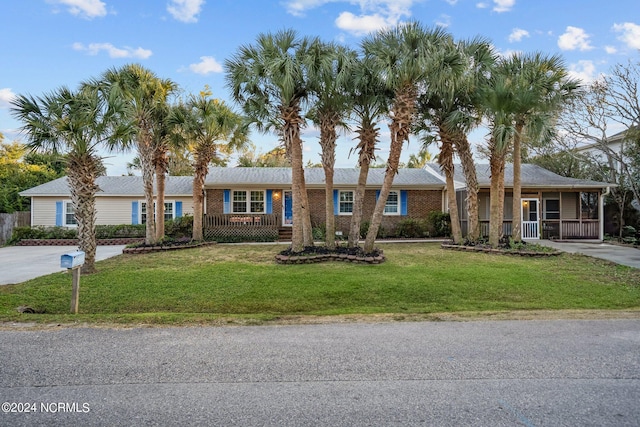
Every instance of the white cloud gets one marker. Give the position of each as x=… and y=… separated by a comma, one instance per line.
x=363, y=24
x=584, y=70
x=373, y=15
x=185, y=10
x=114, y=52
x=88, y=9
x=610, y=50
x=574, y=38
x=207, y=65
x=518, y=34
x=452, y=2
x=6, y=96
x=503, y=5
x=630, y=34
x=443, y=21
x=482, y=5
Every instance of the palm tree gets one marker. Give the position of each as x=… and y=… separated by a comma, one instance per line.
x=370, y=101
x=329, y=66
x=74, y=123
x=541, y=87
x=270, y=82
x=209, y=127
x=450, y=109
x=403, y=55
x=143, y=94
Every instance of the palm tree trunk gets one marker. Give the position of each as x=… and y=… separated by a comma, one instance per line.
x=496, y=200
x=446, y=164
x=516, y=231
x=82, y=172
x=293, y=146
x=469, y=169
x=403, y=110
x=368, y=137
x=160, y=189
x=307, y=229
x=328, y=139
x=145, y=153
x=198, y=201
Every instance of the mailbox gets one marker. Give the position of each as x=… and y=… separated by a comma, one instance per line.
x=72, y=259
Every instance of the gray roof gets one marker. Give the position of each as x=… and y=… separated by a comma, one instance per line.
x=114, y=186
x=314, y=177
x=532, y=176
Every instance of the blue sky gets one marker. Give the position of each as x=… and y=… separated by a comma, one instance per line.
x=50, y=43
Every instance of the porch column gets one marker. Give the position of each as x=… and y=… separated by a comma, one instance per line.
x=601, y=215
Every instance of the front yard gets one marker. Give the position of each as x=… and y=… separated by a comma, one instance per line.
x=243, y=284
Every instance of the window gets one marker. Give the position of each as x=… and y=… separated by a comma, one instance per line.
x=169, y=211
x=552, y=209
x=345, y=202
x=393, y=204
x=589, y=205
x=69, y=214
x=248, y=201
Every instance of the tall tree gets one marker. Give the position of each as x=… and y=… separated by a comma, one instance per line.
x=209, y=128
x=541, y=87
x=74, y=123
x=371, y=100
x=328, y=68
x=404, y=56
x=141, y=94
x=269, y=80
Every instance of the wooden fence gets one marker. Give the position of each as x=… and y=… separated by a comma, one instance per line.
x=9, y=221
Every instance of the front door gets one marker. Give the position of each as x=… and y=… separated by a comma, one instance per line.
x=530, y=217
x=287, y=218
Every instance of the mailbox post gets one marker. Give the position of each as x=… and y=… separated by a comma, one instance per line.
x=73, y=261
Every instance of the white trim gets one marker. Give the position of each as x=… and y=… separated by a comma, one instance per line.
x=66, y=203
x=353, y=197
x=248, y=201
x=398, y=206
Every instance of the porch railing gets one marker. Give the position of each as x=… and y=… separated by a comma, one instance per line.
x=241, y=226
x=554, y=229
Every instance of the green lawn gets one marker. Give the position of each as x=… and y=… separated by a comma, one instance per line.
x=236, y=282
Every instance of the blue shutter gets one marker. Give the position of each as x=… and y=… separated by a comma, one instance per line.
x=59, y=221
x=336, y=203
x=403, y=202
x=269, y=201
x=377, y=195
x=226, y=202
x=178, y=209
x=134, y=213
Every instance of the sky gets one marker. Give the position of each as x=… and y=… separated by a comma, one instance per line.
x=47, y=44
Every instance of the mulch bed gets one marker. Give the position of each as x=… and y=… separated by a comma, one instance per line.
x=499, y=251
x=315, y=254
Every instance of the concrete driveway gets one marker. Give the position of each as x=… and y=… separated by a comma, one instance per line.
x=21, y=263
x=624, y=255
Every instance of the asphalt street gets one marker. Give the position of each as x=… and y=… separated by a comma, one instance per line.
x=486, y=373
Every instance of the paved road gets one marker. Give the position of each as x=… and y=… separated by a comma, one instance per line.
x=623, y=255
x=491, y=373
x=21, y=263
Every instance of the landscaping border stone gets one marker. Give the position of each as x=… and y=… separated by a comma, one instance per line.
x=150, y=249
x=315, y=258
x=499, y=251
x=75, y=242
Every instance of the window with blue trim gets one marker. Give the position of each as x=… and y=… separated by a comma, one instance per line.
x=393, y=204
x=248, y=201
x=345, y=202
x=169, y=211
x=69, y=215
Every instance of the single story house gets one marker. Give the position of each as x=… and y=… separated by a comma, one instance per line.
x=120, y=200
x=552, y=206
x=240, y=199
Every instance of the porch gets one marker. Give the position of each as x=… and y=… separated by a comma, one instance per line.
x=229, y=227
x=587, y=229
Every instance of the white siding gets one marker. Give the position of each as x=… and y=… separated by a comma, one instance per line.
x=110, y=210
x=44, y=210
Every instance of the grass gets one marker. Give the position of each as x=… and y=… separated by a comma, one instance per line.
x=242, y=283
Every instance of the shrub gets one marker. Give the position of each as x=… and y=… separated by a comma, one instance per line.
x=438, y=224
x=179, y=228
x=412, y=228
x=319, y=232
x=120, y=231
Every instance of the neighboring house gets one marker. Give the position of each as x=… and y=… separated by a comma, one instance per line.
x=258, y=201
x=120, y=200
x=553, y=206
x=615, y=144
